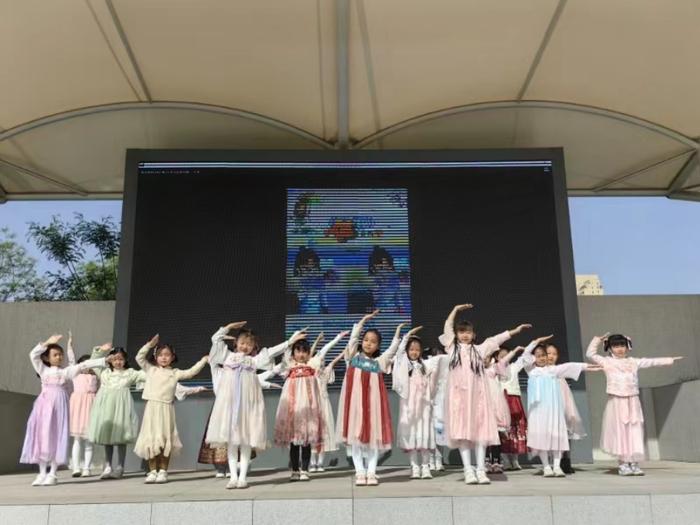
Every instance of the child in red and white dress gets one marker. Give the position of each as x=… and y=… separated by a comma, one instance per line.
x=495, y=371
x=299, y=423
x=326, y=376
x=622, y=434
x=364, y=417
x=514, y=441
x=411, y=379
x=470, y=417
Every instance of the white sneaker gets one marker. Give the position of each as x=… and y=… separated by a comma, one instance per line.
x=360, y=479
x=547, y=472
x=303, y=476
x=425, y=472
x=150, y=477
x=85, y=473
x=76, y=473
x=372, y=480
x=558, y=472
x=39, y=480
x=232, y=484
x=117, y=473
x=320, y=468
x=505, y=461
x=49, y=480
x=439, y=466
x=312, y=468
x=482, y=478
x=636, y=471
x=162, y=476
x=415, y=472
x=470, y=477
x=107, y=473
x=242, y=484
x=516, y=464
x=219, y=475
x=624, y=469
x=431, y=465
x=296, y=476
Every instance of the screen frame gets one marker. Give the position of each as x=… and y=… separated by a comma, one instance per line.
x=135, y=157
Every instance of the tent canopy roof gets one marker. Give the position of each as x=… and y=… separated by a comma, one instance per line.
x=613, y=83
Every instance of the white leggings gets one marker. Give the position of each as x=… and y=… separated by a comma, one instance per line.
x=424, y=457
x=244, y=462
x=77, y=442
x=556, y=457
x=480, y=452
x=359, y=454
x=317, y=458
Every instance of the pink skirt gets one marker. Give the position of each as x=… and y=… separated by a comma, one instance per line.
x=574, y=423
x=299, y=419
x=622, y=434
x=364, y=417
x=80, y=407
x=46, y=438
x=470, y=416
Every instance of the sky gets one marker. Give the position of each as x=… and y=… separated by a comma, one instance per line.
x=637, y=245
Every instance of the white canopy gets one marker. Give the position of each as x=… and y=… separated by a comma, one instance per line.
x=615, y=83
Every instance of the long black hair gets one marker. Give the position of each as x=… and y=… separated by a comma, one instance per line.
x=379, y=344
x=416, y=339
x=119, y=350
x=476, y=363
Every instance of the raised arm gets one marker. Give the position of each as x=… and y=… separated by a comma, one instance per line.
x=193, y=370
x=141, y=356
x=387, y=357
x=70, y=353
x=592, y=350
x=73, y=370
x=101, y=351
x=448, y=333
x=328, y=346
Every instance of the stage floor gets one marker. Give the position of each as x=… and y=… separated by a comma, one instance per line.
x=590, y=480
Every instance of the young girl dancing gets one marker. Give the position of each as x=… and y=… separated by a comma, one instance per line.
x=364, y=418
x=238, y=417
x=299, y=422
x=326, y=376
x=411, y=379
x=470, y=419
x=46, y=438
x=440, y=362
x=113, y=420
x=574, y=422
x=495, y=370
x=547, y=432
x=514, y=441
x=158, y=439
x=622, y=434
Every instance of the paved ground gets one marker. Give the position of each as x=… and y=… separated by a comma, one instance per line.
x=596, y=479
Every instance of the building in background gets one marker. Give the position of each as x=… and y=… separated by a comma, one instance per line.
x=589, y=285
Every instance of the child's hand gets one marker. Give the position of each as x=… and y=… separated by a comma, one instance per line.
x=154, y=341
x=398, y=329
x=54, y=339
x=413, y=331
x=518, y=349
x=229, y=338
x=460, y=307
x=236, y=325
x=603, y=337
x=542, y=339
x=70, y=338
x=370, y=316
x=344, y=333
x=677, y=358
x=298, y=336
x=206, y=358
x=521, y=327
x=105, y=347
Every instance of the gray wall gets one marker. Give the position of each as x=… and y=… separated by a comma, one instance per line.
x=658, y=325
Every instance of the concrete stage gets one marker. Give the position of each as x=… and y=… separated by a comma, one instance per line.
x=668, y=495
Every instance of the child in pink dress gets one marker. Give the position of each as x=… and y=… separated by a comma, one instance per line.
x=412, y=380
x=364, y=417
x=299, y=423
x=85, y=386
x=470, y=418
x=622, y=434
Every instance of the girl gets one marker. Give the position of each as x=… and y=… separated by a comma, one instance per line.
x=515, y=439
x=326, y=376
x=412, y=381
x=158, y=438
x=238, y=416
x=547, y=433
x=81, y=400
x=364, y=419
x=440, y=362
x=574, y=423
x=113, y=420
x=217, y=456
x=622, y=434
x=299, y=422
x=470, y=419
x=46, y=438
x=494, y=371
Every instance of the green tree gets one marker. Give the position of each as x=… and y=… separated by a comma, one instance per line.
x=65, y=243
x=18, y=278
